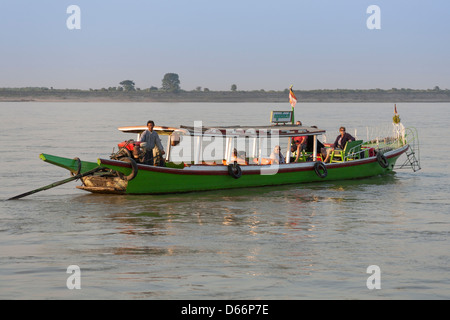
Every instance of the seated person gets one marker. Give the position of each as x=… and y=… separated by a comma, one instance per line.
x=293, y=152
x=175, y=139
x=239, y=157
x=300, y=143
x=276, y=156
x=341, y=141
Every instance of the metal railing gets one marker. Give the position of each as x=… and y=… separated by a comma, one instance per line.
x=412, y=161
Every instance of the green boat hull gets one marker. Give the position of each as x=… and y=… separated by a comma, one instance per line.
x=161, y=180
x=73, y=165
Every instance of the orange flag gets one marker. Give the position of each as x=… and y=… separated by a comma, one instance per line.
x=292, y=98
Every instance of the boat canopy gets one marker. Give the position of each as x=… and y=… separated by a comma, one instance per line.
x=232, y=131
x=139, y=129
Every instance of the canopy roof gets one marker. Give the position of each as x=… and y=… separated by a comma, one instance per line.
x=140, y=129
x=232, y=131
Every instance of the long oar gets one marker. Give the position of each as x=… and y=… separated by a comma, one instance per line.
x=55, y=184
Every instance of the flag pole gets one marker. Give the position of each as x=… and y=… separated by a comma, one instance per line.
x=292, y=100
x=293, y=116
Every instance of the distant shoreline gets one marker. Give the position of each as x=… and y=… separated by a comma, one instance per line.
x=339, y=95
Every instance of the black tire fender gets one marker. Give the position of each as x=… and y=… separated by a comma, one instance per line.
x=134, y=169
x=318, y=167
x=235, y=170
x=382, y=160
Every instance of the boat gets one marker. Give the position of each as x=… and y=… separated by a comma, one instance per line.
x=124, y=173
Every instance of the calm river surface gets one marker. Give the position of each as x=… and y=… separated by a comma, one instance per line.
x=311, y=241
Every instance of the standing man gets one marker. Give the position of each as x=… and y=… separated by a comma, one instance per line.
x=151, y=138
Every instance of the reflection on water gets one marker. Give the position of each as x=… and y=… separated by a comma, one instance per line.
x=288, y=210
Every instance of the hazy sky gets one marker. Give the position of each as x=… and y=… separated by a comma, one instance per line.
x=214, y=44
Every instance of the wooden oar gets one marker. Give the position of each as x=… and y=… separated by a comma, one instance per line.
x=55, y=184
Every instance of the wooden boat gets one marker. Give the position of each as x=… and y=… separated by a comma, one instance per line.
x=123, y=174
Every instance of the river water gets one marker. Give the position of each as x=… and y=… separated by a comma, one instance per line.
x=310, y=241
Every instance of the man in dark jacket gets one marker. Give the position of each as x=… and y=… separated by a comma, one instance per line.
x=341, y=141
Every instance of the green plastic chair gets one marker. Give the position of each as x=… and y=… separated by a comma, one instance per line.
x=302, y=157
x=351, y=151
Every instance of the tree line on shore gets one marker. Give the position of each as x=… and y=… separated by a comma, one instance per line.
x=200, y=89
x=171, y=84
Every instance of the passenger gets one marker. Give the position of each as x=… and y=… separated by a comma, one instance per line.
x=293, y=152
x=276, y=156
x=341, y=141
x=175, y=139
x=151, y=138
x=300, y=143
x=239, y=157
